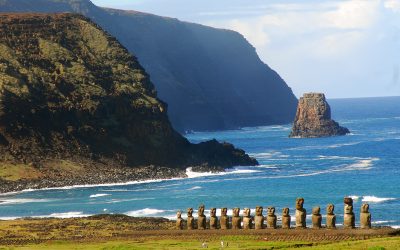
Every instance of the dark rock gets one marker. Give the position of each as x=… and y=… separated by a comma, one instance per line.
x=211, y=78
x=313, y=118
x=94, y=105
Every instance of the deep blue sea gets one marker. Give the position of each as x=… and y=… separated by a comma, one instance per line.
x=364, y=165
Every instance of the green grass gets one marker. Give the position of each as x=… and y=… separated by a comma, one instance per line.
x=241, y=242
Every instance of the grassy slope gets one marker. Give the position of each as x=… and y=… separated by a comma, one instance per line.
x=245, y=242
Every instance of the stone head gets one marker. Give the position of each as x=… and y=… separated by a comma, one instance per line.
x=224, y=211
x=348, y=209
x=365, y=208
x=246, y=212
x=271, y=210
x=213, y=212
x=348, y=201
x=259, y=211
x=299, y=203
x=189, y=212
x=285, y=211
x=201, y=210
x=316, y=210
x=236, y=211
x=179, y=215
x=330, y=209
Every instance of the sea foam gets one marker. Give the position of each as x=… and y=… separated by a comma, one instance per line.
x=98, y=195
x=374, y=199
x=145, y=212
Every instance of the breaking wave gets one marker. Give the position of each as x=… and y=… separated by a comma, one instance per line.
x=145, y=212
x=98, y=195
x=375, y=199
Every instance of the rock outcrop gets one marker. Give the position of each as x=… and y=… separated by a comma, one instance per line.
x=71, y=92
x=212, y=79
x=313, y=118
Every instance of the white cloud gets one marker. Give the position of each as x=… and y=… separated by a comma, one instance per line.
x=393, y=5
x=354, y=14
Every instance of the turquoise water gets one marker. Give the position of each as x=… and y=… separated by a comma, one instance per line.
x=364, y=164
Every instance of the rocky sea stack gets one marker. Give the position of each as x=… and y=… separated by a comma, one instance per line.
x=77, y=108
x=313, y=118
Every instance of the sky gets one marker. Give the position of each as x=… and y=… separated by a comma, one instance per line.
x=343, y=48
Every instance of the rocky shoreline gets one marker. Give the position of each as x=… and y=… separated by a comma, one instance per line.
x=99, y=175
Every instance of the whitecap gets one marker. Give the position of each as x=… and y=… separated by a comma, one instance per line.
x=375, y=199
x=65, y=215
x=382, y=222
x=22, y=201
x=395, y=227
x=145, y=212
x=194, y=188
x=191, y=174
x=98, y=195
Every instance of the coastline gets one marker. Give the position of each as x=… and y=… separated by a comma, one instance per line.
x=100, y=178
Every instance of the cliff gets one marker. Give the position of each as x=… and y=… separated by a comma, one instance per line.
x=70, y=93
x=211, y=78
x=313, y=118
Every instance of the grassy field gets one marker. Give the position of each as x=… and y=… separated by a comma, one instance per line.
x=229, y=243
x=120, y=232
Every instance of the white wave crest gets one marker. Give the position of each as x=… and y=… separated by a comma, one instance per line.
x=144, y=212
x=395, y=227
x=379, y=222
x=194, y=188
x=22, y=201
x=98, y=195
x=66, y=215
x=191, y=174
x=375, y=199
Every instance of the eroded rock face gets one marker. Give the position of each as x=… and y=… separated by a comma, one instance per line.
x=313, y=118
x=70, y=91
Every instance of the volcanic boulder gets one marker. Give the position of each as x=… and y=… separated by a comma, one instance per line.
x=313, y=118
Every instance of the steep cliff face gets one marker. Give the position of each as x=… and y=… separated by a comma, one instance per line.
x=69, y=91
x=313, y=118
x=210, y=78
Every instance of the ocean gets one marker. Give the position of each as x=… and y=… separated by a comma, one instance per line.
x=364, y=165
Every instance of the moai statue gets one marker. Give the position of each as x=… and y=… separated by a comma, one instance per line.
x=271, y=218
x=300, y=213
x=179, y=220
x=349, y=218
x=259, y=219
x=201, y=219
x=236, y=220
x=365, y=217
x=247, y=221
x=190, y=219
x=213, y=219
x=316, y=218
x=224, y=219
x=286, y=218
x=330, y=216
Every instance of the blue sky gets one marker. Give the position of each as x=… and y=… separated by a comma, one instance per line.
x=342, y=48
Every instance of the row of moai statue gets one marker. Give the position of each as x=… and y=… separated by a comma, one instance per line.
x=258, y=222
